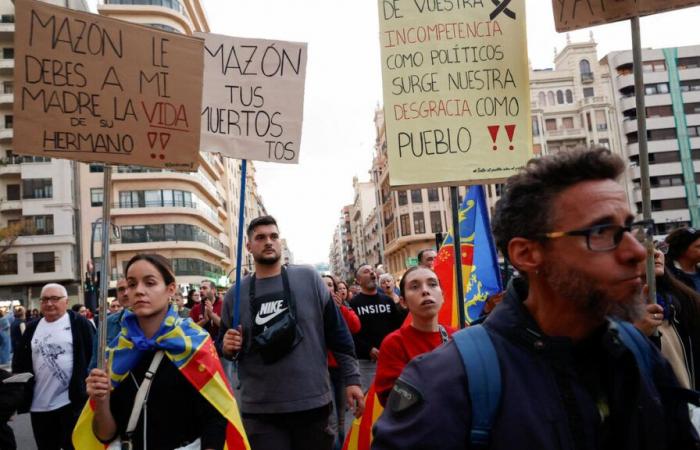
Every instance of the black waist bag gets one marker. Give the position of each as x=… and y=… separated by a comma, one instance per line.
x=278, y=340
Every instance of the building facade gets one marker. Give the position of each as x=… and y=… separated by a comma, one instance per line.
x=672, y=102
x=38, y=213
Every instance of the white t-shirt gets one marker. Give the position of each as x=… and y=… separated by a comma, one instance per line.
x=52, y=358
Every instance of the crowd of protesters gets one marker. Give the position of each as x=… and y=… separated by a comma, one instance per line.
x=307, y=347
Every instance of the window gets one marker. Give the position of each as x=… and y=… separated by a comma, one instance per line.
x=9, y=121
x=193, y=266
x=567, y=122
x=436, y=221
x=654, y=66
x=660, y=111
x=44, y=262
x=605, y=142
x=550, y=124
x=405, y=225
x=535, y=127
x=418, y=222
x=588, y=92
x=658, y=88
x=433, y=195
x=692, y=62
x=601, y=121
x=690, y=85
x=416, y=196
x=584, y=66
x=550, y=98
x=95, y=168
x=37, y=188
x=403, y=198
x=542, y=99
x=560, y=97
x=13, y=192
x=8, y=87
x=588, y=121
x=8, y=264
x=694, y=131
x=569, y=96
x=690, y=108
x=7, y=18
x=38, y=225
x=96, y=196
x=8, y=53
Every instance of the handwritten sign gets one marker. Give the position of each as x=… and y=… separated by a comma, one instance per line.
x=253, y=104
x=456, y=90
x=574, y=14
x=95, y=89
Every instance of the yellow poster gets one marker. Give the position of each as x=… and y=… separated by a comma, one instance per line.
x=456, y=90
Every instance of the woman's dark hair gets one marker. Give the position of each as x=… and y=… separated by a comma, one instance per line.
x=332, y=278
x=678, y=242
x=525, y=207
x=76, y=308
x=685, y=299
x=190, y=300
x=402, y=283
x=158, y=261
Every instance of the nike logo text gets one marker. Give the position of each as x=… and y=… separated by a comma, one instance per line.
x=269, y=311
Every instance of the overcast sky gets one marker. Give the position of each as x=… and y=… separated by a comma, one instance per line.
x=343, y=88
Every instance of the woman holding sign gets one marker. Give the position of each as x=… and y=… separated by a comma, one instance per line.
x=158, y=354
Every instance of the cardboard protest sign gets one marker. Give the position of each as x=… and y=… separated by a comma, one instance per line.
x=456, y=90
x=253, y=101
x=91, y=88
x=574, y=14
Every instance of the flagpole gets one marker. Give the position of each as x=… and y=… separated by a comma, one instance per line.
x=457, y=240
x=239, y=253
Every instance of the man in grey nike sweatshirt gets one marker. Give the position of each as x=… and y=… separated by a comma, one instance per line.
x=286, y=404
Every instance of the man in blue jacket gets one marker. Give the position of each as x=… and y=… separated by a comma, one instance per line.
x=567, y=381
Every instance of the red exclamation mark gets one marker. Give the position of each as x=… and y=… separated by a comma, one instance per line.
x=493, y=130
x=510, y=131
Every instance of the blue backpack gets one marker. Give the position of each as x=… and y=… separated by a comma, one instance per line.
x=481, y=363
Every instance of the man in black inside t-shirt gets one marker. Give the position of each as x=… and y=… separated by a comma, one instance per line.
x=378, y=315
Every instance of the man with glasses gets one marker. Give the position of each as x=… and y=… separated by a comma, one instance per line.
x=57, y=350
x=567, y=380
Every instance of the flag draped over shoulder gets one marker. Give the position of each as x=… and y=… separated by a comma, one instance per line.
x=481, y=275
x=192, y=351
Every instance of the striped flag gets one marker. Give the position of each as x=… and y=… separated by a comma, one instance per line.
x=192, y=351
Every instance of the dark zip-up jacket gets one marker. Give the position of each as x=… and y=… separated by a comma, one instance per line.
x=545, y=404
x=83, y=332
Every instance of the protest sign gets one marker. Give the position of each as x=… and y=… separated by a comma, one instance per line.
x=95, y=89
x=573, y=14
x=456, y=90
x=253, y=101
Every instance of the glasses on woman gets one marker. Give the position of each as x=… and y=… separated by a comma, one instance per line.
x=603, y=238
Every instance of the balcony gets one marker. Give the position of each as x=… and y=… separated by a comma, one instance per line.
x=10, y=205
x=6, y=134
x=7, y=65
x=587, y=77
x=9, y=168
x=7, y=99
x=564, y=134
x=158, y=246
x=205, y=186
x=192, y=209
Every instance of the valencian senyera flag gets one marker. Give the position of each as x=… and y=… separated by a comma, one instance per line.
x=481, y=276
x=192, y=351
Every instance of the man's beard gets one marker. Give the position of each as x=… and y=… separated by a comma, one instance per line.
x=370, y=285
x=595, y=303
x=266, y=260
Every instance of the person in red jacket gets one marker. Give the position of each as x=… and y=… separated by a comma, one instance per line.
x=419, y=292
x=353, y=323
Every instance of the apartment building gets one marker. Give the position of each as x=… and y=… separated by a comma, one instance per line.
x=672, y=102
x=37, y=199
x=572, y=104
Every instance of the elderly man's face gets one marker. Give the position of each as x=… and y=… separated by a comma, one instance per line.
x=54, y=303
x=601, y=283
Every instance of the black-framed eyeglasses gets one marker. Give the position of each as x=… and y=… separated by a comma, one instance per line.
x=53, y=299
x=603, y=238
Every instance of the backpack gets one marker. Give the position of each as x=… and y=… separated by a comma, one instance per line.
x=481, y=363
